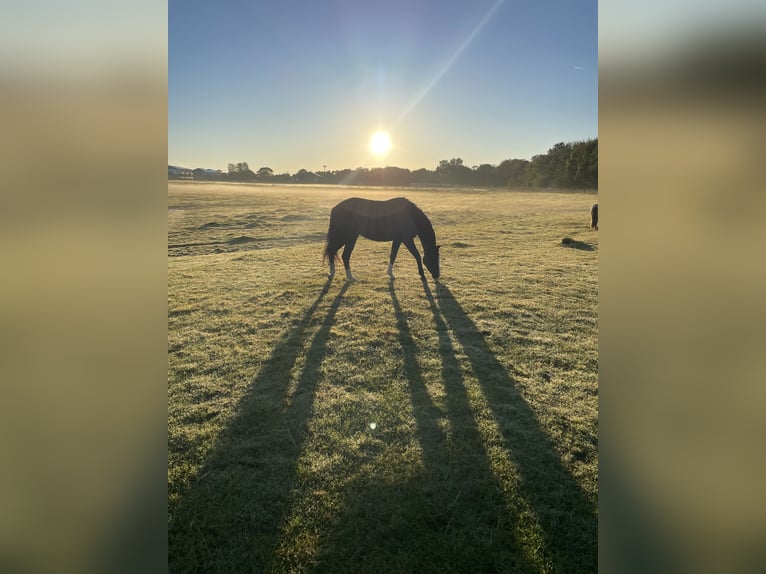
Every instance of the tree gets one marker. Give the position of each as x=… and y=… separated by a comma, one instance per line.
x=485, y=175
x=449, y=165
x=240, y=167
x=453, y=171
x=305, y=176
x=558, y=158
x=539, y=173
x=423, y=175
x=514, y=172
x=240, y=171
x=565, y=165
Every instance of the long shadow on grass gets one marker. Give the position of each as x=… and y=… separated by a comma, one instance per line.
x=450, y=515
x=467, y=513
x=566, y=515
x=228, y=518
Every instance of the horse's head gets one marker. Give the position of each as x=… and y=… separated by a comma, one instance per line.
x=431, y=259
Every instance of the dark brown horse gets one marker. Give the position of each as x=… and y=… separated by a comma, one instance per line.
x=397, y=220
x=594, y=217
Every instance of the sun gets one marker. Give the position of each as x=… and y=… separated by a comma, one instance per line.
x=380, y=143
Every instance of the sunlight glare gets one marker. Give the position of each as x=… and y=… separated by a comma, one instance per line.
x=380, y=143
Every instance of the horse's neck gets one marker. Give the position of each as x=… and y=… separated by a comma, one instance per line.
x=425, y=230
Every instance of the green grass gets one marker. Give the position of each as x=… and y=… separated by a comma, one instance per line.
x=380, y=426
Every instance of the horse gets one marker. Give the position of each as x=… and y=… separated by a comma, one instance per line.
x=397, y=220
x=594, y=217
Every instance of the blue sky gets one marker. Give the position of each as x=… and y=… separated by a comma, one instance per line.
x=293, y=84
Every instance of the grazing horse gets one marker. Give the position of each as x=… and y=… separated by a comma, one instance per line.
x=594, y=217
x=397, y=220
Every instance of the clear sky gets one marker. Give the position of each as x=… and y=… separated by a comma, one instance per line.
x=293, y=84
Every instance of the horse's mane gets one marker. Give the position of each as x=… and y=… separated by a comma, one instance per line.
x=425, y=229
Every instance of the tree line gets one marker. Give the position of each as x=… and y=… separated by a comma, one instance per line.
x=564, y=166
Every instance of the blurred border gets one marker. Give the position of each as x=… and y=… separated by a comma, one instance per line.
x=682, y=128
x=83, y=105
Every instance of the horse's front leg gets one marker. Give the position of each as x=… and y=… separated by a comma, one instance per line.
x=394, y=250
x=410, y=244
x=347, y=257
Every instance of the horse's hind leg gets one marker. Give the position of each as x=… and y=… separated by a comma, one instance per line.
x=394, y=250
x=331, y=253
x=347, y=257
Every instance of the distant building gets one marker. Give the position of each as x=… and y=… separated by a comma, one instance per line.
x=207, y=174
x=175, y=172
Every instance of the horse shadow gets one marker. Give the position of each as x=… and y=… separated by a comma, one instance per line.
x=449, y=515
x=455, y=515
x=230, y=514
x=576, y=244
x=567, y=516
x=459, y=459
x=240, y=495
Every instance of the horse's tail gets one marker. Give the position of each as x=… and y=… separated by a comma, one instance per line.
x=326, y=251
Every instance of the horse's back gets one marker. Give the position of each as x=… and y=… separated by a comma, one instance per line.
x=374, y=207
x=379, y=220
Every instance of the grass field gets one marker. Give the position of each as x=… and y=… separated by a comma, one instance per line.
x=381, y=426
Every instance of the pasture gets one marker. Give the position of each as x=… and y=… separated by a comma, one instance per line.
x=381, y=426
